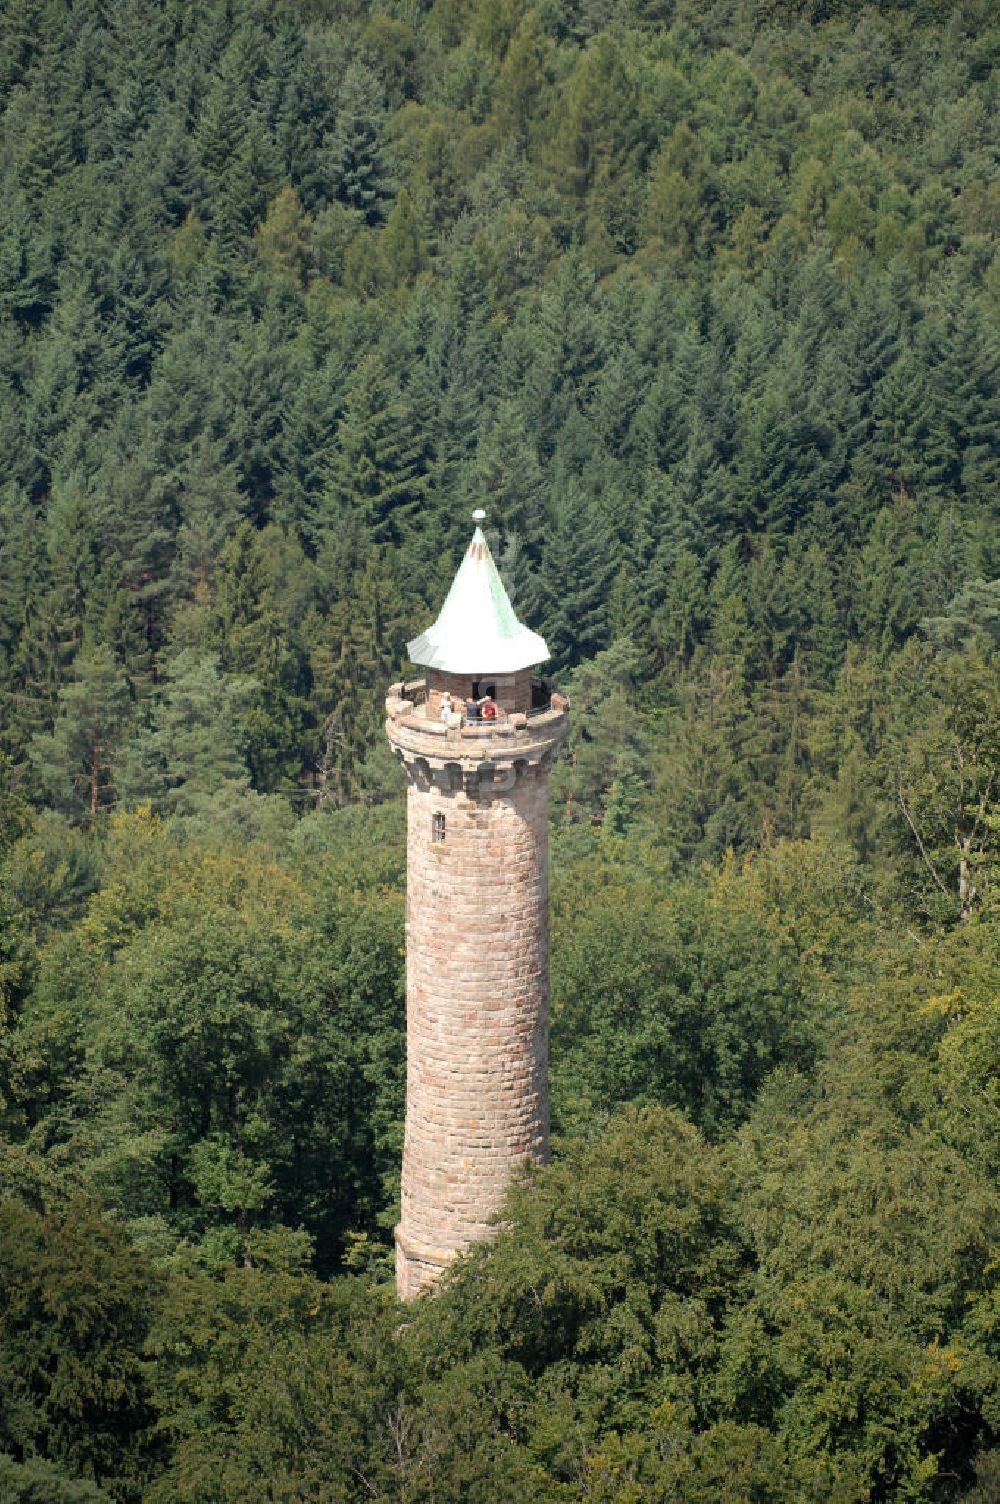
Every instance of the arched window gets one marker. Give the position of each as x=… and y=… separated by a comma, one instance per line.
x=437, y=828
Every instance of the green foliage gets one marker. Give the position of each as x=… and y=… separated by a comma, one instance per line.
x=655, y=295
x=358, y=172
x=946, y=775
x=38, y=1482
x=77, y=764
x=699, y=300
x=187, y=761
x=216, y=1049
x=296, y=1389
x=607, y=767
x=75, y=1301
x=689, y=998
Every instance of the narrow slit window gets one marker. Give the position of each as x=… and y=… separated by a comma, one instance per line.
x=438, y=828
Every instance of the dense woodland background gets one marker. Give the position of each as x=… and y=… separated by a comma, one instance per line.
x=701, y=300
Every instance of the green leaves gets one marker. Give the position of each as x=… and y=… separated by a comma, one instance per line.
x=946, y=770
x=700, y=301
x=688, y=999
x=188, y=760
x=79, y=764
x=217, y=1049
x=75, y=1301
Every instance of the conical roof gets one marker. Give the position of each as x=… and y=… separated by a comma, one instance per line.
x=477, y=631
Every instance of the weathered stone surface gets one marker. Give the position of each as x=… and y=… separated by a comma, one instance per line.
x=477, y=997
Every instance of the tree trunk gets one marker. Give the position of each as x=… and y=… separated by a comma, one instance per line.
x=95, y=768
x=966, y=887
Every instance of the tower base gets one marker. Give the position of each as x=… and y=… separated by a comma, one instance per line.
x=417, y=1266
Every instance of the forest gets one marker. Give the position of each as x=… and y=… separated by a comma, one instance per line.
x=700, y=300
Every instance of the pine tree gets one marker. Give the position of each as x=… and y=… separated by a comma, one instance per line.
x=56, y=614
x=237, y=158
x=564, y=351
x=599, y=136
x=378, y=462
x=77, y=765
x=699, y=770
x=569, y=596
x=949, y=560
x=887, y=596
x=617, y=402
x=306, y=78
x=20, y=569
x=608, y=763
x=508, y=478
x=735, y=642
x=257, y=646
x=678, y=625
x=968, y=390
x=353, y=651
x=139, y=518
x=522, y=79
x=282, y=241
x=403, y=241
x=359, y=175
x=209, y=505
x=909, y=450
x=305, y=445
x=789, y=457
x=817, y=637
x=696, y=495
x=189, y=760
x=777, y=750
x=661, y=422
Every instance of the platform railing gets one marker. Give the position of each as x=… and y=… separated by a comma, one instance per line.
x=414, y=691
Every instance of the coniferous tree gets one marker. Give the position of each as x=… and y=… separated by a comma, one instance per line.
x=305, y=446
x=78, y=763
x=282, y=240
x=678, y=625
x=189, y=760
x=377, y=470
x=509, y=480
x=909, y=448
x=403, y=243
x=312, y=63
x=76, y=1302
x=969, y=381
x=255, y=642
x=569, y=594
x=354, y=152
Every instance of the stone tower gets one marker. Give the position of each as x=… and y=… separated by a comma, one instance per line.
x=476, y=736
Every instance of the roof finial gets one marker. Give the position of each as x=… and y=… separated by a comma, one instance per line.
x=479, y=515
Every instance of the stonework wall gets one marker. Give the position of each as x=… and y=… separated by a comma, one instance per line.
x=459, y=686
x=513, y=691
x=477, y=1013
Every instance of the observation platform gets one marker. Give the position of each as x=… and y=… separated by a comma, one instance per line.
x=481, y=755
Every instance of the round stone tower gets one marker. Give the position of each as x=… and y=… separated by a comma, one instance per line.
x=476, y=736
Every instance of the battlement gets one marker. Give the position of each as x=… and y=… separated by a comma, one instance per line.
x=454, y=750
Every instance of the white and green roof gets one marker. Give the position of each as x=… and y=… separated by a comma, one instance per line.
x=477, y=631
